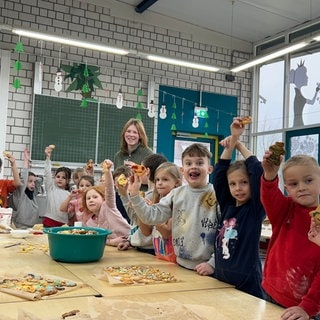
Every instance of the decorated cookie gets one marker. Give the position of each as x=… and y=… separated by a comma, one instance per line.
x=246, y=120
x=138, y=169
x=316, y=215
x=277, y=150
x=122, y=180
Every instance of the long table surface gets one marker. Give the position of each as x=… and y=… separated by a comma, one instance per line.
x=207, y=295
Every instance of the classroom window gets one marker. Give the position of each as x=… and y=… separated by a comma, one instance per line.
x=304, y=79
x=271, y=97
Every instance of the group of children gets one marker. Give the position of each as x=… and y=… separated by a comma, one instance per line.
x=212, y=229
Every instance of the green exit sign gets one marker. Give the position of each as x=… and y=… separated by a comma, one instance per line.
x=200, y=111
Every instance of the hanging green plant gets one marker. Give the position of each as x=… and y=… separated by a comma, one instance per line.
x=84, y=103
x=84, y=78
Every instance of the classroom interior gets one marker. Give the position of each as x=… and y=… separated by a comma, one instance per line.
x=178, y=104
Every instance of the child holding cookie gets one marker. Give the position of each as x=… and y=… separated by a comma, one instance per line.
x=292, y=268
x=237, y=186
x=7, y=186
x=100, y=210
x=25, y=199
x=314, y=232
x=57, y=188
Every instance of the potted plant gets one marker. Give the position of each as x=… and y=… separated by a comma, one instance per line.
x=83, y=78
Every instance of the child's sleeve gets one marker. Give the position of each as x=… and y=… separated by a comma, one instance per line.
x=48, y=180
x=153, y=214
x=110, y=194
x=220, y=184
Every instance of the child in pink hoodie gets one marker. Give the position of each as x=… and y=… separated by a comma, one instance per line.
x=100, y=210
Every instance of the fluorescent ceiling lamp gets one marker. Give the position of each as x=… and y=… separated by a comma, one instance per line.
x=69, y=41
x=270, y=56
x=182, y=63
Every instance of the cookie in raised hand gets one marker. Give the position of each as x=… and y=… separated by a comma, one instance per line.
x=277, y=150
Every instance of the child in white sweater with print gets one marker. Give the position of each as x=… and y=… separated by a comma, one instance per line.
x=193, y=209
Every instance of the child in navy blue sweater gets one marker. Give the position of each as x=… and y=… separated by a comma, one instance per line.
x=237, y=187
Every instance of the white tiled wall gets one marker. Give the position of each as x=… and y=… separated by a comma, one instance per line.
x=93, y=23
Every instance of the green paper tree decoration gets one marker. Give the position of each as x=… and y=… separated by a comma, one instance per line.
x=18, y=65
x=16, y=83
x=174, y=116
x=206, y=124
x=19, y=46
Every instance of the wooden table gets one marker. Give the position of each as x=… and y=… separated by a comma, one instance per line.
x=34, y=259
x=208, y=298
x=187, y=279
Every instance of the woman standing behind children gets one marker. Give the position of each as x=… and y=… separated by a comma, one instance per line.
x=100, y=209
x=167, y=177
x=57, y=191
x=237, y=187
x=292, y=267
x=134, y=144
x=26, y=214
x=73, y=203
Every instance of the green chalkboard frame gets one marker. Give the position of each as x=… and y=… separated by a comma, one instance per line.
x=80, y=133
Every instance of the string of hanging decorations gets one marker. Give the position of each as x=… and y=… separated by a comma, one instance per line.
x=87, y=88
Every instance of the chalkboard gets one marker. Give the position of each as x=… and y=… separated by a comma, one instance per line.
x=80, y=133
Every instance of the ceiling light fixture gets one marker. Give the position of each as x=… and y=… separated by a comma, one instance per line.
x=270, y=56
x=182, y=63
x=70, y=42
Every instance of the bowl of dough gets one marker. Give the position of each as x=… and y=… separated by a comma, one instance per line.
x=76, y=244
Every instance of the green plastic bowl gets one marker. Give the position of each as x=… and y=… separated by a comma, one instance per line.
x=76, y=247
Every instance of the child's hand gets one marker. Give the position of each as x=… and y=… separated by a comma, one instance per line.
x=148, y=201
x=225, y=142
x=26, y=153
x=48, y=150
x=122, y=188
x=10, y=157
x=236, y=127
x=134, y=185
x=270, y=169
x=294, y=313
x=74, y=192
x=314, y=232
x=106, y=165
x=204, y=269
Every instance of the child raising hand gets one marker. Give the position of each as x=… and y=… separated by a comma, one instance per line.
x=57, y=191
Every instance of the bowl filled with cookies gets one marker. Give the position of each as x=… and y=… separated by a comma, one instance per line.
x=76, y=244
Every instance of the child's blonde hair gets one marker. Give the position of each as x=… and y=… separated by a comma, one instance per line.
x=77, y=173
x=301, y=160
x=173, y=170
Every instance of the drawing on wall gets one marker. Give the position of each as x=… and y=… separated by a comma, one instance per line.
x=299, y=78
x=305, y=144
